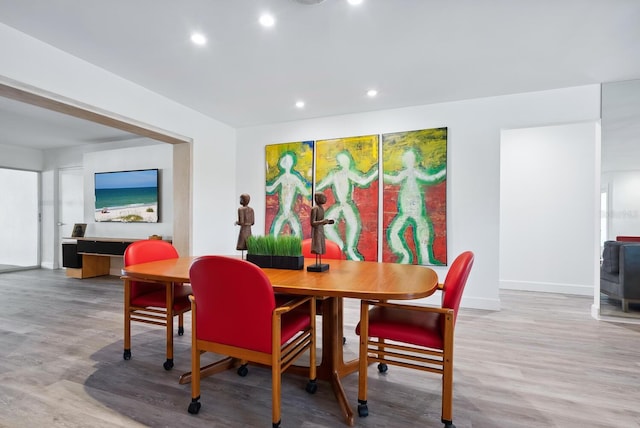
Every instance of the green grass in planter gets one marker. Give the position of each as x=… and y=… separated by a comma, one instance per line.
x=270, y=245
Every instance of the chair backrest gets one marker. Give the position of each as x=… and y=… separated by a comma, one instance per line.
x=145, y=251
x=333, y=250
x=455, y=281
x=234, y=302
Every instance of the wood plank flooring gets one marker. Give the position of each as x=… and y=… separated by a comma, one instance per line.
x=541, y=361
x=610, y=307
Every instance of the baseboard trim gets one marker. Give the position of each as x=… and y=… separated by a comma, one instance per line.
x=548, y=287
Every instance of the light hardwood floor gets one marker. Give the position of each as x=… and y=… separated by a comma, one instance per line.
x=541, y=361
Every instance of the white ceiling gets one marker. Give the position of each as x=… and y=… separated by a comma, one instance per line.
x=34, y=127
x=412, y=51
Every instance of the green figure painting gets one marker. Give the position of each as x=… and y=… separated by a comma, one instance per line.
x=414, y=197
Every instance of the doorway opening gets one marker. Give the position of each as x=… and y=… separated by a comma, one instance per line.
x=19, y=219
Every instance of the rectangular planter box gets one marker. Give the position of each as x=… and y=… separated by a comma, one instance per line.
x=277, y=262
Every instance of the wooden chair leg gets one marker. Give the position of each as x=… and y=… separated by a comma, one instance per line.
x=194, y=406
x=363, y=365
x=447, y=393
x=181, y=324
x=168, y=365
x=312, y=351
x=447, y=372
x=276, y=384
x=127, y=320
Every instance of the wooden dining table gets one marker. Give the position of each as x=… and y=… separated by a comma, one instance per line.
x=344, y=279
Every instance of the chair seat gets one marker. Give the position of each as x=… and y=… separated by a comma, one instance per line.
x=401, y=325
x=292, y=323
x=158, y=298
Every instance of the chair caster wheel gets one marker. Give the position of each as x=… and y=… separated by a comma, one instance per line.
x=363, y=410
x=194, y=407
x=168, y=365
x=243, y=370
x=126, y=354
x=448, y=424
x=312, y=387
x=382, y=368
x=180, y=331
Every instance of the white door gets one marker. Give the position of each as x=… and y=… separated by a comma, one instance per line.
x=71, y=202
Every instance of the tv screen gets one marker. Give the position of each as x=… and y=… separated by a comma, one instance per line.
x=127, y=196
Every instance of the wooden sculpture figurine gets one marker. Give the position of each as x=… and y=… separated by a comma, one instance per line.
x=245, y=221
x=318, y=246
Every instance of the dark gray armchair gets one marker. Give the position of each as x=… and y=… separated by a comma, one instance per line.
x=620, y=272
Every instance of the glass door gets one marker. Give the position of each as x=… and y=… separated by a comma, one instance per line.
x=19, y=219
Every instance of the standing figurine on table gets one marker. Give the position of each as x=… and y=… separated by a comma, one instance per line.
x=318, y=246
x=245, y=221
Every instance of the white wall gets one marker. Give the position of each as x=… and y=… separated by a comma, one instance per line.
x=157, y=156
x=32, y=63
x=473, y=172
x=547, y=183
x=21, y=158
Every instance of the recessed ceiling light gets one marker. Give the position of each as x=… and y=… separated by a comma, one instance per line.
x=372, y=93
x=198, y=39
x=355, y=2
x=300, y=104
x=267, y=20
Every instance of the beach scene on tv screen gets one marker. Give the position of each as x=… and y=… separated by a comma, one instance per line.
x=127, y=196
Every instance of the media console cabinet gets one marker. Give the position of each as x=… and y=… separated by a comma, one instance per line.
x=91, y=257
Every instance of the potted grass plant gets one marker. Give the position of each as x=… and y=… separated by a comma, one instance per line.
x=279, y=252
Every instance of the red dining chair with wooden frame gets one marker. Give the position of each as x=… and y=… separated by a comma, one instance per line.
x=234, y=313
x=153, y=302
x=416, y=337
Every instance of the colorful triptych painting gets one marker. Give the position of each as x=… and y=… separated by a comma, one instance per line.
x=347, y=173
x=414, y=168
x=289, y=177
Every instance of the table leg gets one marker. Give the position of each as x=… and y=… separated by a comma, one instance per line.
x=332, y=367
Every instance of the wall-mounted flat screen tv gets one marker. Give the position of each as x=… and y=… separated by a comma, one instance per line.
x=127, y=196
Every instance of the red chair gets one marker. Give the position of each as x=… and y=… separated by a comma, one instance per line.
x=234, y=313
x=333, y=250
x=422, y=337
x=146, y=302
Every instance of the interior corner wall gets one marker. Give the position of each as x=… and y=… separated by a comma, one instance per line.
x=547, y=184
x=473, y=167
